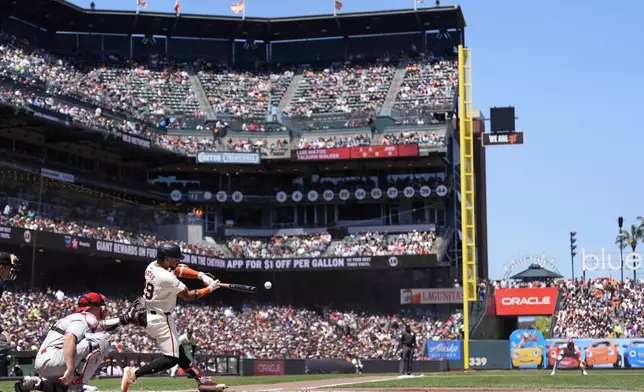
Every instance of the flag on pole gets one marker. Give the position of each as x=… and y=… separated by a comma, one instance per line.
x=140, y=3
x=238, y=8
x=177, y=7
x=416, y=2
x=337, y=6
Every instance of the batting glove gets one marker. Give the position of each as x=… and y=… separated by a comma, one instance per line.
x=206, y=278
x=214, y=285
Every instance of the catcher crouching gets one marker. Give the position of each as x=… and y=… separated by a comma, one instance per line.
x=570, y=351
x=76, y=345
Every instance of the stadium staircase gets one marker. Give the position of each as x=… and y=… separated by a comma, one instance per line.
x=292, y=88
x=211, y=243
x=202, y=97
x=489, y=325
x=328, y=252
x=392, y=94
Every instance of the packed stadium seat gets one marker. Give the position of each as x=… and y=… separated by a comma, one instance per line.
x=342, y=88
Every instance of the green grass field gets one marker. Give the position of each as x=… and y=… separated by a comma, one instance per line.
x=169, y=384
x=564, y=379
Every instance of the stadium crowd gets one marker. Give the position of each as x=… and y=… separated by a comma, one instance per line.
x=280, y=246
x=600, y=308
x=342, y=88
x=251, y=331
x=333, y=142
x=425, y=139
x=242, y=93
x=383, y=244
x=429, y=82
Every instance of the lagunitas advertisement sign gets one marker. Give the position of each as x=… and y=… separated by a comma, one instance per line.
x=431, y=296
x=527, y=301
x=268, y=368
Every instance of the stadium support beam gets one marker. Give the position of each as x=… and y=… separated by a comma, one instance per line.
x=468, y=215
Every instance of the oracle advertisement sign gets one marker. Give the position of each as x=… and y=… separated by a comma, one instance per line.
x=263, y=367
x=527, y=301
x=344, y=153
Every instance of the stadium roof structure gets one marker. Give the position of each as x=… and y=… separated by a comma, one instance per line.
x=60, y=15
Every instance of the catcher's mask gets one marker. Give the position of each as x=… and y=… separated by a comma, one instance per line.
x=571, y=345
x=93, y=300
x=13, y=261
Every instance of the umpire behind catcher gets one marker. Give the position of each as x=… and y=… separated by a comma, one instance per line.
x=9, y=268
x=408, y=345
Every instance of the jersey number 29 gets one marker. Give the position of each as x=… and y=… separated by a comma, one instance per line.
x=149, y=291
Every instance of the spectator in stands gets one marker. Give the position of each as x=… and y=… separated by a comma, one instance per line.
x=382, y=244
x=425, y=139
x=280, y=246
x=256, y=331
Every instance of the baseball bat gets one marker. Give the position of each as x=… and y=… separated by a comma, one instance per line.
x=239, y=287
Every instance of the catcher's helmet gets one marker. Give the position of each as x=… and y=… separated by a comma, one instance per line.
x=92, y=300
x=13, y=261
x=169, y=250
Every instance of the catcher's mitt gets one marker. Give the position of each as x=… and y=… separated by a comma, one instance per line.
x=136, y=313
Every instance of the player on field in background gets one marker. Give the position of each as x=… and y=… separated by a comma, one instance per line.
x=189, y=344
x=570, y=351
x=162, y=287
x=74, y=348
x=9, y=269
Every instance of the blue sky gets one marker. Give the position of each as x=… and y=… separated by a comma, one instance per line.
x=573, y=71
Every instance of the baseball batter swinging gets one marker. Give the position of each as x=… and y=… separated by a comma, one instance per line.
x=75, y=347
x=162, y=287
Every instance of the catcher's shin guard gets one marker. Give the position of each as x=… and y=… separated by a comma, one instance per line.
x=98, y=349
x=196, y=373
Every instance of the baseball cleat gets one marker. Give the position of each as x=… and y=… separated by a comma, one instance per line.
x=584, y=373
x=552, y=373
x=27, y=384
x=128, y=378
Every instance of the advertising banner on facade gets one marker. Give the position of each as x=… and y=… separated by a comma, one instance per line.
x=263, y=367
x=527, y=349
x=343, y=153
x=525, y=344
x=599, y=353
x=527, y=301
x=67, y=243
x=444, y=349
x=431, y=296
x=251, y=158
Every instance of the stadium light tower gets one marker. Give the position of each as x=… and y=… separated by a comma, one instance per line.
x=573, y=247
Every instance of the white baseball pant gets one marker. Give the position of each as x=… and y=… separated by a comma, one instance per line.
x=90, y=352
x=161, y=327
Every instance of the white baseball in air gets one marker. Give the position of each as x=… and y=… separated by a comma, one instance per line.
x=268, y=285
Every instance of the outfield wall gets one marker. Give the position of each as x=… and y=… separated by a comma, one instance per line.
x=526, y=349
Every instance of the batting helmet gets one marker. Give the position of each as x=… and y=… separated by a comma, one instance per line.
x=169, y=250
x=13, y=261
x=92, y=300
